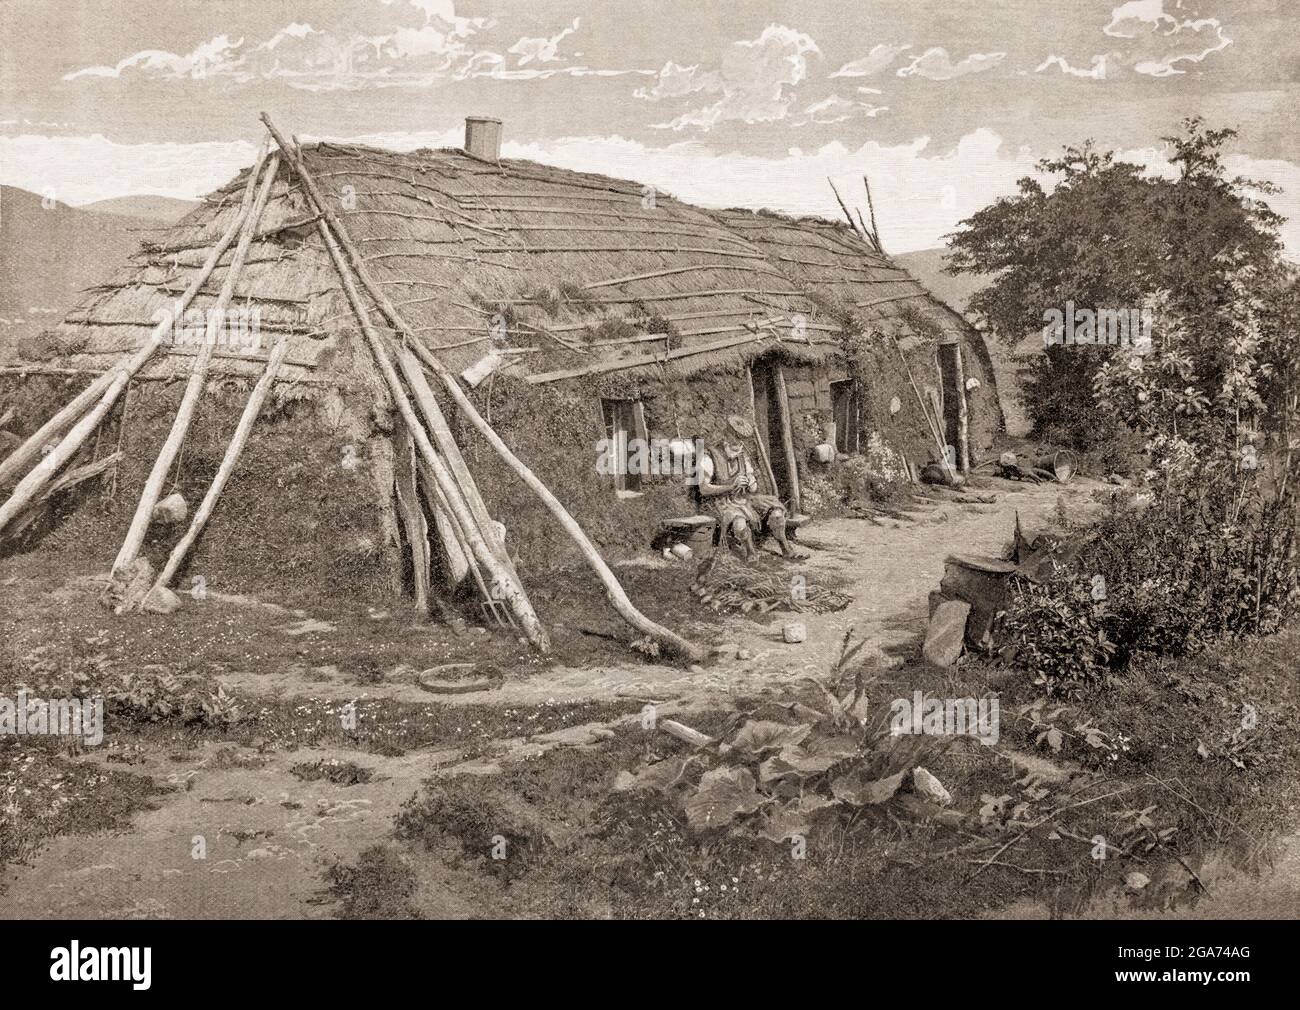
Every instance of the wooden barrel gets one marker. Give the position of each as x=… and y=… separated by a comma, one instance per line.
x=1061, y=464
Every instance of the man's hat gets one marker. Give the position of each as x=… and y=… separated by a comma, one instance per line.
x=739, y=427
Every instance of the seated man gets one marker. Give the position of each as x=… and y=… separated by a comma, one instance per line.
x=723, y=488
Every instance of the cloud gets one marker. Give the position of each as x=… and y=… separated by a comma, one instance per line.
x=751, y=81
x=399, y=43
x=1159, y=40
x=542, y=50
x=880, y=57
x=209, y=59
x=1137, y=16
x=674, y=81
x=836, y=110
x=936, y=65
x=1097, y=72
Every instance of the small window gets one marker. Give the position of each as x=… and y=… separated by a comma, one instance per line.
x=844, y=404
x=624, y=421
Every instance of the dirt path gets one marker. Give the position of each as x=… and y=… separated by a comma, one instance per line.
x=265, y=835
x=890, y=570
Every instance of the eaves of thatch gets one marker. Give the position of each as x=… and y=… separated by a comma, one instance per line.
x=561, y=273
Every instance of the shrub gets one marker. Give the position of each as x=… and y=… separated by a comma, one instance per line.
x=1057, y=629
x=1212, y=556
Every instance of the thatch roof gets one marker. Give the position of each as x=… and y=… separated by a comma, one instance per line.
x=560, y=270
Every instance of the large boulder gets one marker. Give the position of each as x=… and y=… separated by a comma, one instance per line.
x=161, y=600
x=172, y=509
x=943, y=641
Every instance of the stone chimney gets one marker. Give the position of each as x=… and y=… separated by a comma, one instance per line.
x=483, y=138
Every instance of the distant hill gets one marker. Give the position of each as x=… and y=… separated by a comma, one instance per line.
x=926, y=265
x=163, y=209
x=49, y=254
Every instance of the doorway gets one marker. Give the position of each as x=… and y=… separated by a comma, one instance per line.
x=771, y=416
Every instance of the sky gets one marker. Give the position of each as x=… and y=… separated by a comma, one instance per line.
x=942, y=104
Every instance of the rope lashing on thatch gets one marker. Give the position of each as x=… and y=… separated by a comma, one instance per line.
x=651, y=359
x=332, y=229
x=671, y=271
x=194, y=386
x=884, y=301
x=737, y=254
x=425, y=255
x=94, y=402
x=678, y=296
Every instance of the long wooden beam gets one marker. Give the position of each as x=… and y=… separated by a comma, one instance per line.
x=198, y=378
x=233, y=451
x=504, y=587
x=99, y=389
x=617, y=596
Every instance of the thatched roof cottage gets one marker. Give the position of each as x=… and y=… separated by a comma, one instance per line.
x=576, y=307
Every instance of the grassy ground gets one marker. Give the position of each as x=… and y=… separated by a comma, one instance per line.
x=229, y=720
x=1159, y=775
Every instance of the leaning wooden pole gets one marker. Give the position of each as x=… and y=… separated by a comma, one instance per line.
x=787, y=438
x=617, y=596
x=233, y=451
x=871, y=210
x=504, y=587
x=847, y=216
x=405, y=482
x=198, y=378
x=963, y=415
x=446, y=444
x=758, y=436
x=105, y=387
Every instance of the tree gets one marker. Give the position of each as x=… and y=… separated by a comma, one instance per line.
x=1108, y=235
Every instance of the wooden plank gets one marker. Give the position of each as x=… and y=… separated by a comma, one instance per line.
x=759, y=436
x=451, y=453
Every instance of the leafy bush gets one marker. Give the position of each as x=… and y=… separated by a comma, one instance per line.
x=1057, y=629
x=1212, y=556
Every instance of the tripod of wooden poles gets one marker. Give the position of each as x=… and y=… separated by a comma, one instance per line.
x=427, y=455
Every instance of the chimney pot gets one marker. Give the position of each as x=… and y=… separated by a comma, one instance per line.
x=483, y=138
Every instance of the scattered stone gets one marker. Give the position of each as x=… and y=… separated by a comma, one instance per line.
x=129, y=586
x=1136, y=882
x=744, y=655
x=172, y=509
x=793, y=634
x=725, y=649
x=682, y=551
x=698, y=670
x=929, y=788
x=943, y=640
x=161, y=600
x=307, y=626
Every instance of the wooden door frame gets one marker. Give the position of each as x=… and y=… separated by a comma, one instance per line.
x=778, y=390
